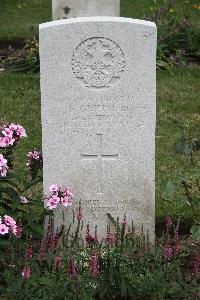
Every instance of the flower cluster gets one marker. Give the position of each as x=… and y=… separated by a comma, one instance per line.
x=94, y=264
x=7, y=224
x=10, y=134
x=62, y=196
x=3, y=166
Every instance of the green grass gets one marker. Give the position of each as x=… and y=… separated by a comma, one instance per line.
x=18, y=16
x=178, y=99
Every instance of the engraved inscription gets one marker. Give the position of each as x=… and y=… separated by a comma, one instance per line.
x=99, y=157
x=86, y=111
x=98, y=63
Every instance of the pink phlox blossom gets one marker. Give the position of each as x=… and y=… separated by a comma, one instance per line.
x=3, y=166
x=3, y=170
x=10, y=134
x=9, y=221
x=3, y=229
x=3, y=161
x=26, y=273
x=168, y=250
x=66, y=201
x=6, y=141
x=23, y=199
x=56, y=199
x=52, y=204
x=34, y=155
x=94, y=264
x=14, y=229
x=55, y=188
x=21, y=131
x=7, y=132
x=13, y=127
x=67, y=193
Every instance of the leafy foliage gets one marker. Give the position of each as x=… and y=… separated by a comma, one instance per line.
x=187, y=186
x=129, y=269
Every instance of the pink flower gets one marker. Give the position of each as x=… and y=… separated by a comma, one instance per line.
x=51, y=204
x=7, y=132
x=3, y=170
x=26, y=273
x=13, y=127
x=55, y=188
x=94, y=264
x=72, y=269
x=9, y=221
x=14, y=229
x=57, y=262
x=177, y=246
x=67, y=193
x=55, y=199
x=23, y=199
x=6, y=141
x=3, y=229
x=3, y=161
x=34, y=155
x=66, y=201
x=168, y=250
x=110, y=238
x=21, y=131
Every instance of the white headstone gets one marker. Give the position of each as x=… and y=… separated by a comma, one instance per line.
x=98, y=86
x=64, y=9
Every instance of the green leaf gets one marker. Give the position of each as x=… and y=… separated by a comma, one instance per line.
x=4, y=243
x=170, y=189
x=36, y=227
x=179, y=146
x=188, y=150
x=196, y=145
x=195, y=231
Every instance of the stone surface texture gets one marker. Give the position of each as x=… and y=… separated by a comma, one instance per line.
x=98, y=89
x=84, y=8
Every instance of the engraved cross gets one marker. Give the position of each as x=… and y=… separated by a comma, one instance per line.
x=100, y=157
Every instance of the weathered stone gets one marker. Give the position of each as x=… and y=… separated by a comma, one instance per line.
x=64, y=9
x=98, y=86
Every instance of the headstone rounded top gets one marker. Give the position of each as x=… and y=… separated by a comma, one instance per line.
x=96, y=19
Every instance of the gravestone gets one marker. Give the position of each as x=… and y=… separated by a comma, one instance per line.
x=64, y=9
x=98, y=88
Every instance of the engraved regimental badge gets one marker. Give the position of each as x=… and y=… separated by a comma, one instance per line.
x=98, y=63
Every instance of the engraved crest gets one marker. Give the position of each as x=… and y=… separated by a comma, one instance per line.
x=98, y=63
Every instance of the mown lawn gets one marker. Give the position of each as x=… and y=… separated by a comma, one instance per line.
x=177, y=101
x=18, y=17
